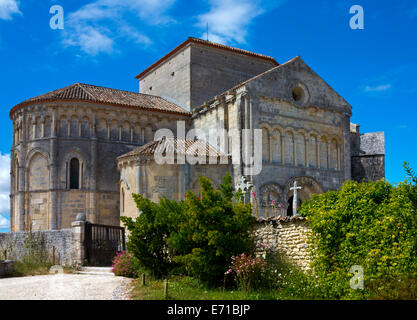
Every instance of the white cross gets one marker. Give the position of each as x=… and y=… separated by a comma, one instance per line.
x=295, y=198
x=245, y=185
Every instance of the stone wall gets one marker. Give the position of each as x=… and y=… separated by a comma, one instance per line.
x=368, y=155
x=287, y=237
x=62, y=240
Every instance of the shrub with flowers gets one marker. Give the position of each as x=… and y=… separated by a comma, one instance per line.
x=249, y=271
x=124, y=265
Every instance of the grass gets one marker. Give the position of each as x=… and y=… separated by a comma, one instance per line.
x=25, y=269
x=186, y=288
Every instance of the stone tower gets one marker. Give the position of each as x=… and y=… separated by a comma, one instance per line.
x=198, y=70
x=65, y=145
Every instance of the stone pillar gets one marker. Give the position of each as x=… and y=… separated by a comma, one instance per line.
x=79, y=253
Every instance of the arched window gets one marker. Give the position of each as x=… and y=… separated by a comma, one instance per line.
x=265, y=145
x=74, y=174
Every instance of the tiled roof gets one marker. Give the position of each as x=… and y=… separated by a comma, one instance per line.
x=96, y=94
x=168, y=145
x=209, y=44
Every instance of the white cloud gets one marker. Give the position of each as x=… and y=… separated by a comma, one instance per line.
x=229, y=20
x=4, y=223
x=379, y=88
x=96, y=27
x=4, y=183
x=91, y=40
x=8, y=8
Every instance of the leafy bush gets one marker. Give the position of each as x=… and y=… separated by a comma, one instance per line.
x=125, y=265
x=371, y=224
x=194, y=236
x=213, y=229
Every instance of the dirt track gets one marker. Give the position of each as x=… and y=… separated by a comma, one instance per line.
x=65, y=287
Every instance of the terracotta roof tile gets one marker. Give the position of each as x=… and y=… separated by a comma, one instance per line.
x=167, y=145
x=96, y=94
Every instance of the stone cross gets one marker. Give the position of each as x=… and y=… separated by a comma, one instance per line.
x=245, y=185
x=295, y=198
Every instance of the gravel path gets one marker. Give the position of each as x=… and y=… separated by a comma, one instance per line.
x=65, y=287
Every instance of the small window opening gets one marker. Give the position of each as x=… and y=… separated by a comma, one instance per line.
x=298, y=94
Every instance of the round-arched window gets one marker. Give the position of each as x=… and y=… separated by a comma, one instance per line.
x=74, y=174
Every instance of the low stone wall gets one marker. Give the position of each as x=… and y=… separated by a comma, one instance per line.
x=287, y=237
x=6, y=268
x=62, y=240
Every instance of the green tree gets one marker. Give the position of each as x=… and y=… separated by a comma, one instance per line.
x=214, y=229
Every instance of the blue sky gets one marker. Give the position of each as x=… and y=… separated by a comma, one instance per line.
x=108, y=42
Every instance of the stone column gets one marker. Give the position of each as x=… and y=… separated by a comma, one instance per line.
x=53, y=208
x=79, y=253
x=22, y=169
x=21, y=198
x=93, y=214
x=238, y=167
x=346, y=155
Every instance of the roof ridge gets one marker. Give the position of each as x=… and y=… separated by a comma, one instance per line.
x=81, y=85
x=231, y=47
x=128, y=91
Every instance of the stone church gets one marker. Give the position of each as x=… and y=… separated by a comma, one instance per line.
x=86, y=149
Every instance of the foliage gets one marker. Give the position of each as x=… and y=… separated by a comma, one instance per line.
x=404, y=287
x=125, y=265
x=148, y=233
x=410, y=172
x=289, y=280
x=372, y=224
x=249, y=271
x=213, y=229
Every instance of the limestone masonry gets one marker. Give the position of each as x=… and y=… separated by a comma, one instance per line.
x=86, y=149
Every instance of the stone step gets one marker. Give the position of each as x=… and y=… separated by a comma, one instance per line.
x=102, y=271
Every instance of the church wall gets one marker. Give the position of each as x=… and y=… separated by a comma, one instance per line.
x=72, y=202
x=46, y=138
x=368, y=168
x=154, y=181
x=171, y=79
x=129, y=184
x=108, y=207
x=214, y=172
